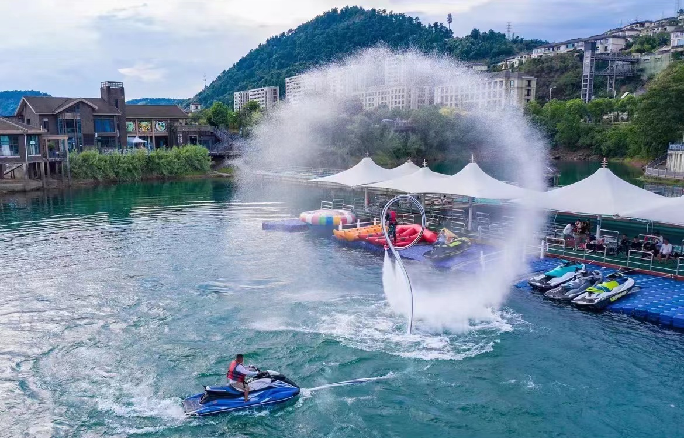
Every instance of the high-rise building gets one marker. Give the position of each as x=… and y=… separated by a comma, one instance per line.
x=240, y=98
x=266, y=97
x=499, y=90
x=397, y=83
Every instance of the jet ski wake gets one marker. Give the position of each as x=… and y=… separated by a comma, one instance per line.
x=267, y=388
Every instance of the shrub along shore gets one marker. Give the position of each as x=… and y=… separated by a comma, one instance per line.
x=140, y=165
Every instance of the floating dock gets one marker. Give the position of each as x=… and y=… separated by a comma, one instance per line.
x=660, y=300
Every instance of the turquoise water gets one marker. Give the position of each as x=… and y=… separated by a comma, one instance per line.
x=118, y=301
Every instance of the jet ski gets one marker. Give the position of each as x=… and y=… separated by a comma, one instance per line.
x=266, y=388
x=568, y=291
x=442, y=251
x=614, y=287
x=563, y=273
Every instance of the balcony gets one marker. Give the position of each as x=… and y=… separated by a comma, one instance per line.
x=675, y=147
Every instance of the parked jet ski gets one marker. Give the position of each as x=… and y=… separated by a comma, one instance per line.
x=267, y=388
x=563, y=273
x=614, y=287
x=568, y=291
x=442, y=251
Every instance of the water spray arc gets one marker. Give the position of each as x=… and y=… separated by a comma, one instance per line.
x=394, y=250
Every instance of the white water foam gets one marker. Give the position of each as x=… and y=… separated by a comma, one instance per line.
x=376, y=327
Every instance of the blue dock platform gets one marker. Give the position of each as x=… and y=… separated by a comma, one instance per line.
x=659, y=300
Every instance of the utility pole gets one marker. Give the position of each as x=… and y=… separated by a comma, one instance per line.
x=449, y=21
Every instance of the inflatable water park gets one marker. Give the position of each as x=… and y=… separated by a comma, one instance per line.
x=458, y=222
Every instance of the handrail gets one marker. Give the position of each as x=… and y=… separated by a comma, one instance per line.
x=636, y=251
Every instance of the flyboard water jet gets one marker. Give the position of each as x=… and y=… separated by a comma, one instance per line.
x=396, y=256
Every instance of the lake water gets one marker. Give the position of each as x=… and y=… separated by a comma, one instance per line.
x=116, y=302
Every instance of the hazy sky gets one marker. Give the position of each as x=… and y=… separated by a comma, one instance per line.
x=162, y=48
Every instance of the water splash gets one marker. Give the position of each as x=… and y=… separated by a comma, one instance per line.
x=304, y=133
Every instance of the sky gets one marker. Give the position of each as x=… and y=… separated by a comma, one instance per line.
x=164, y=48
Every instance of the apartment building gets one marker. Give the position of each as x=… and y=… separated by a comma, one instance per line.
x=266, y=97
x=396, y=97
x=499, y=90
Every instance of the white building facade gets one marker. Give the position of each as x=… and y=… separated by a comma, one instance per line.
x=502, y=90
x=266, y=97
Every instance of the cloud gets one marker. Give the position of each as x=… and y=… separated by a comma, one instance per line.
x=143, y=71
x=162, y=48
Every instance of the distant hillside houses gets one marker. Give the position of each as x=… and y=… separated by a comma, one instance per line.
x=611, y=41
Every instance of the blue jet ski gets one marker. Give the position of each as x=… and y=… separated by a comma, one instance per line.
x=267, y=388
x=563, y=273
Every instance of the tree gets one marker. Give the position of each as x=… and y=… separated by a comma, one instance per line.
x=659, y=115
x=598, y=108
x=218, y=114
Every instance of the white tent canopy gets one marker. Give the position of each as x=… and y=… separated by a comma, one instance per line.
x=423, y=180
x=666, y=210
x=601, y=193
x=404, y=169
x=471, y=181
x=368, y=172
x=135, y=140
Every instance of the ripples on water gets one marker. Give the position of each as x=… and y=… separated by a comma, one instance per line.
x=117, y=302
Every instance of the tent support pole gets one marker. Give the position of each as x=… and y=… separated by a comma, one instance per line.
x=366, y=197
x=599, y=226
x=470, y=213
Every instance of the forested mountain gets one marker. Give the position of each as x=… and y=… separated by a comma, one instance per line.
x=341, y=32
x=154, y=101
x=9, y=100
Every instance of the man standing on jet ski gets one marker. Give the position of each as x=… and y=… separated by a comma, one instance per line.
x=236, y=375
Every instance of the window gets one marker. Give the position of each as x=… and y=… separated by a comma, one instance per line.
x=104, y=124
x=28, y=121
x=116, y=103
x=528, y=92
x=46, y=124
x=511, y=83
x=9, y=145
x=528, y=83
x=33, y=145
x=106, y=142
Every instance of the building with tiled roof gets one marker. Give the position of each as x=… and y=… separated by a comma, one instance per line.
x=105, y=122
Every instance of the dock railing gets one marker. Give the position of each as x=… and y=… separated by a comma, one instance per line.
x=638, y=259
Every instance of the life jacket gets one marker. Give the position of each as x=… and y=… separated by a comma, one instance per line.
x=234, y=375
x=393, y=217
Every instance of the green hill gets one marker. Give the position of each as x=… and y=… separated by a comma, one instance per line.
x=155, y=101
x=341, y=32
x=9, y=100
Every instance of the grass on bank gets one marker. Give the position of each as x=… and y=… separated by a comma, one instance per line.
x=140, y=165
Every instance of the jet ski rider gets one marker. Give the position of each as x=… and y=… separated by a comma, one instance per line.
x=236, y=375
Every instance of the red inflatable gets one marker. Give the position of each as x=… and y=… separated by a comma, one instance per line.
x=405, y=236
